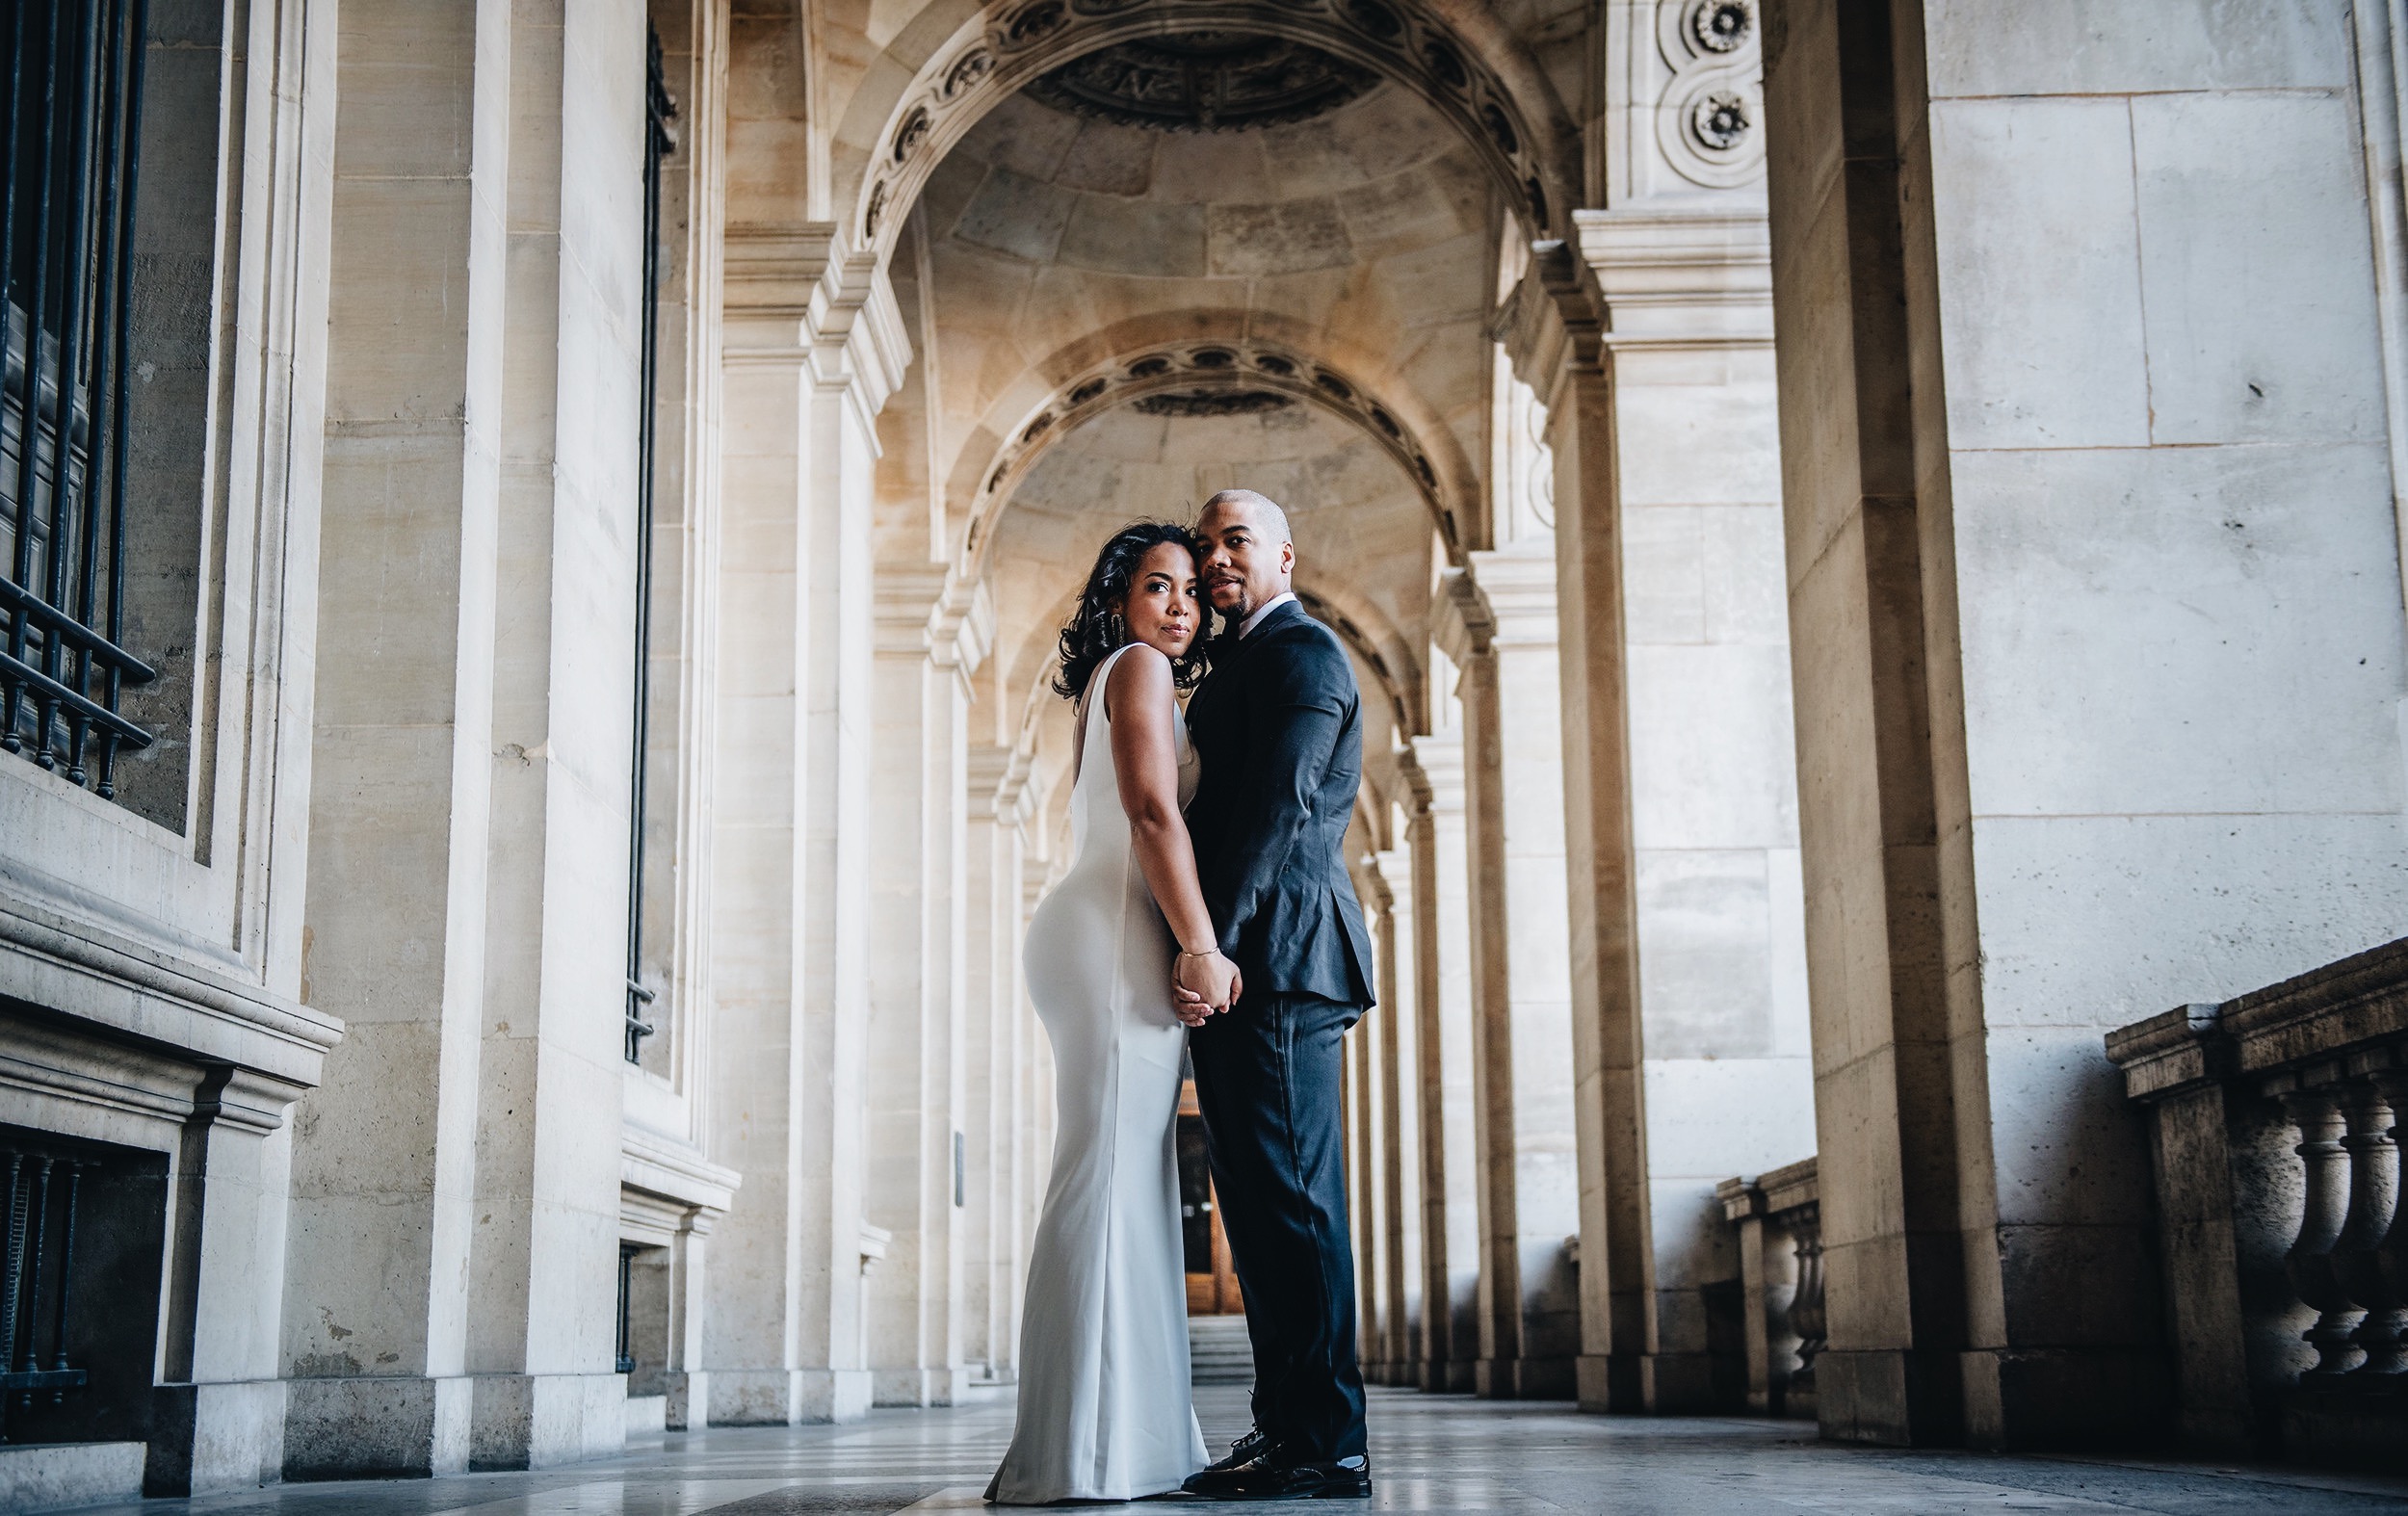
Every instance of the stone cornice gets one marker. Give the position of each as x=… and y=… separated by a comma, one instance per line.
x=59, y=1058
x=115, y=987
x=662, y=1166
x=2354, y=1008
x=2183, y=1049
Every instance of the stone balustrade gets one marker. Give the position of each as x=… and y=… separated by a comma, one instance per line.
x=1779, y=1218
x=2275, y=1145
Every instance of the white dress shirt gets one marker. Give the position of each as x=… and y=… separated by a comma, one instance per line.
x=1245, y=628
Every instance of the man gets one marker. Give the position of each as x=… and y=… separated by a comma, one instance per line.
x=1277, y=725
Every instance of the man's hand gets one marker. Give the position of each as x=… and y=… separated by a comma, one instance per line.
x=1202, y=983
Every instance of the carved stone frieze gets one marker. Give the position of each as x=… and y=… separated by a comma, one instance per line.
x=1211, y=402
x=1706, y=119
x=1204, y=81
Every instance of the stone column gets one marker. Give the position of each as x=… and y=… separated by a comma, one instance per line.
x=1443, y=1070
x=2084, y=445
x=813, y=346
x=1364, y=1161
x=383, y=1165
x=992, y=1039
x=1399, y=1137
x=689, y=1383
x=1497, y=621
x=1022, y=1180
x=547, y=1189
x=1036, y=1111
x=1653, y=351
x=917, y=1067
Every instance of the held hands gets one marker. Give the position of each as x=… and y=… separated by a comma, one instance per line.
x=1202, y=983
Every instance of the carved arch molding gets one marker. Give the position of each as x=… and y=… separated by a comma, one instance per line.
x=1193, y=374
x=1013, y=42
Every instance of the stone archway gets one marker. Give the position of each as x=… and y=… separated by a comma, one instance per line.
x=1207, y=375
x=1457, y=59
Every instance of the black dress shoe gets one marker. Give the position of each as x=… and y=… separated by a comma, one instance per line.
x=1275, y=1477
x=1245, y=1451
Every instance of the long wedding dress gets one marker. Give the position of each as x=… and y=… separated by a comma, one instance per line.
x=1106, y=1411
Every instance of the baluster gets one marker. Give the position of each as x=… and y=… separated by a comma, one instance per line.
x=11, y=1275
x=2325, y=1205
x=1806, y=1313
x=67, y=1278
x=13, y=1264
x=2390, y=1254
x=38, y=1219
x=2373, y=1198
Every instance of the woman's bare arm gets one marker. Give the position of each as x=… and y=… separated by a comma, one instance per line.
x=1138, y=700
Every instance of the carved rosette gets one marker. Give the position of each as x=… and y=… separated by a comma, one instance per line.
x=1708, y=120
x=1014, y=42
x=1199, y=378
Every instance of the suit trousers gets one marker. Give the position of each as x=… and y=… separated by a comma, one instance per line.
x=1267, y=1079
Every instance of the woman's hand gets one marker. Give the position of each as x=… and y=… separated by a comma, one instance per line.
x=1207, y=982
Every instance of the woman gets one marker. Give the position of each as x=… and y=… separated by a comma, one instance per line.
x=1105, y=1408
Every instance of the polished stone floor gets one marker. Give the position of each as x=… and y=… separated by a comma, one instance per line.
x=1430, y=1453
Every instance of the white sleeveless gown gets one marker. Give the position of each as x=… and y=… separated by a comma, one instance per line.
x=1106, y=1411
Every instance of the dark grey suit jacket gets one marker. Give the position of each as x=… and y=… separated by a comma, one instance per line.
x=1278, y=725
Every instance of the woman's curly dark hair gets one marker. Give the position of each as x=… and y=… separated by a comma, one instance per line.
x=1095, y=628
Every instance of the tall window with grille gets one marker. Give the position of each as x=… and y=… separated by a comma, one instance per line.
x=73, y=76
x=660, y=141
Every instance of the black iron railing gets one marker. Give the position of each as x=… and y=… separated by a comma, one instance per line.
x=659, y=142
x=627, y=1252
x=36, y=1275
x=74, y=82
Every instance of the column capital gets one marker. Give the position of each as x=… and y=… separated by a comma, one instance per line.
x=999, y=783
x=961, y=626
x=989, y=764
x=1552, y=320
x=1379, y=899
x=904, y=602
x=1692, y=274
x=923, y=608
x=798, y=294
x=1435, y=767
x=1686, y=275
x=1518, y=588
x=1460, y=622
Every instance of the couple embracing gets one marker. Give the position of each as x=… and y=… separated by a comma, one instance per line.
x=1207, y=909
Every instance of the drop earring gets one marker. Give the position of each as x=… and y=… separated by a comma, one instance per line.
x=1117, y=629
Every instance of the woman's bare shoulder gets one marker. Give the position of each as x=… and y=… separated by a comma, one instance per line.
x=1143, y=673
